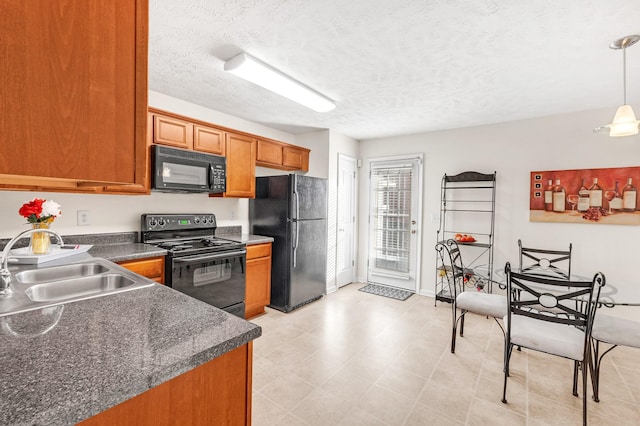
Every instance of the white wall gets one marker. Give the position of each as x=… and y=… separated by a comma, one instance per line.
x=121, y=213
x=514, y=150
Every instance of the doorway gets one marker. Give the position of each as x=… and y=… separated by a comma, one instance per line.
x=345, y=238
x=395, y=212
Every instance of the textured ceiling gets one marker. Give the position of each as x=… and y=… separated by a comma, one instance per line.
x=398, y=67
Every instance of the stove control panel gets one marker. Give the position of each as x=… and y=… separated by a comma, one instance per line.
x=170, y=222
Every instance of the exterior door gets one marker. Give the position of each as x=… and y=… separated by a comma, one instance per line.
x=394, y=221
x=345, y=249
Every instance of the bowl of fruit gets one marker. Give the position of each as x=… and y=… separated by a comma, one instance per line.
x=464, y=238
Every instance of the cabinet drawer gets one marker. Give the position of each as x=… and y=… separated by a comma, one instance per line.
x=258, y=250
x=150, y=267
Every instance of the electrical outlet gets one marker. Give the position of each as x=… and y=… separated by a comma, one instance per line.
x=84, y=218
x=233, y=215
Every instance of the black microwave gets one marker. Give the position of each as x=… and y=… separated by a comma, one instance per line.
x=180, y=170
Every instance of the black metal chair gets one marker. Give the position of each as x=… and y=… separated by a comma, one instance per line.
x=491, y=305
x=545, y=317
x=554, y=263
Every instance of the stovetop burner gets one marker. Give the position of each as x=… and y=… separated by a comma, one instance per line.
x=185, y=234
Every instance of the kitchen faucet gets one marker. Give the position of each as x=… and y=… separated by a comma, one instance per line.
x=5, y=275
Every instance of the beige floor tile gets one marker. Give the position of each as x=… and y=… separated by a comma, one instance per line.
x=358, y=417
x=484, y=413
x=313, y=369
x=421, y=415
x=385, y=405
x=402, y=382
x=549, y=411
x=265, y=412
x=347, y=385
x=450, y=399
x=287, y=391
x=353, y=358
x=322, y=408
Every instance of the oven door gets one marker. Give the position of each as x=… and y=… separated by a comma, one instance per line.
x=217, y=279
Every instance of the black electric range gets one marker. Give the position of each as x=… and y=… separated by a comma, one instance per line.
x=198, y=263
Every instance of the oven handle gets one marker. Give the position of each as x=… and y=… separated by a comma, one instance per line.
x=209, y=256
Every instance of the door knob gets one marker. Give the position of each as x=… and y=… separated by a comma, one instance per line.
x=413, y=231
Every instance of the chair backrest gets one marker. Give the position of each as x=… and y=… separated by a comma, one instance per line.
x=553, y=263
x=554, y=300
x=451, y=267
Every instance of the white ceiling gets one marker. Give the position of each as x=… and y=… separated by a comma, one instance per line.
x=398, y=67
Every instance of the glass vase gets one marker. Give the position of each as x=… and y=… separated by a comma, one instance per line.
x=40, y=241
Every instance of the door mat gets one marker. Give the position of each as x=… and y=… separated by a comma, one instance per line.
x=382, y=290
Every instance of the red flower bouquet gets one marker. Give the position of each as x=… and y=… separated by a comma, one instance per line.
x=40, y=211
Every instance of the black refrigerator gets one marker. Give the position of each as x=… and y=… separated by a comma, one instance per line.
x=292, y=209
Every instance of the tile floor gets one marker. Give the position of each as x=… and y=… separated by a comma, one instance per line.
x=354, y=358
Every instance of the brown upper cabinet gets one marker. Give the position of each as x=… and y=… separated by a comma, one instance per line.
x=283, y=156
x=172, y=131
x=243, y=151
x=208, y=139
x=241, y=168
x=75, y=78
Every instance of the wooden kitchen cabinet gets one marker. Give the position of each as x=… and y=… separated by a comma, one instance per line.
x=75, y=77
x=172, y=132
x=258, y=285
x=295, y=158
x=283, y=156
x=184, y=132
x=215, y=393
x=269, y=153
x=208, y=139
x=241, y=165
x=150, y=267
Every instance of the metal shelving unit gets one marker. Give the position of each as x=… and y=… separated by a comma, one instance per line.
x=467, y=206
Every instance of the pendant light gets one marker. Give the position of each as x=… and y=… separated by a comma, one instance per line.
x=624, y=122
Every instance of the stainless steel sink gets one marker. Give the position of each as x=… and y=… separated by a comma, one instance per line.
x=56, y=273
x=37, y=288
x=78, y=287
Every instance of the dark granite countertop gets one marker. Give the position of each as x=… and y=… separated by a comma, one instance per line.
x=126, y=251
x=106, y=350
x=247, y=239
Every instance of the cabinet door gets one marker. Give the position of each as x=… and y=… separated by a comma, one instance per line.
x=172, y=131
x=241, y=168
x=208, y=139
x=269, y=152
x=75, y=77
x=292, y=157
x=152, y=268
x=258, y=290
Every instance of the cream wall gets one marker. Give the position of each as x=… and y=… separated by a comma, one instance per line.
x=513, y=150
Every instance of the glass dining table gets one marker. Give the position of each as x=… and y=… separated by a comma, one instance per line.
x=611, y=294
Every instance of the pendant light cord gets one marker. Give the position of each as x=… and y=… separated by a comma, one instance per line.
x=624, y=71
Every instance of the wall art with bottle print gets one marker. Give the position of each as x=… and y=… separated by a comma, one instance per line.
x=608, y=196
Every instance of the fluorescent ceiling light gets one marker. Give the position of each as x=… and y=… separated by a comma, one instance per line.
x=270, y=78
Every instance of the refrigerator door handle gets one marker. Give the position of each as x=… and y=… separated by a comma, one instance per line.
x=295, y=245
